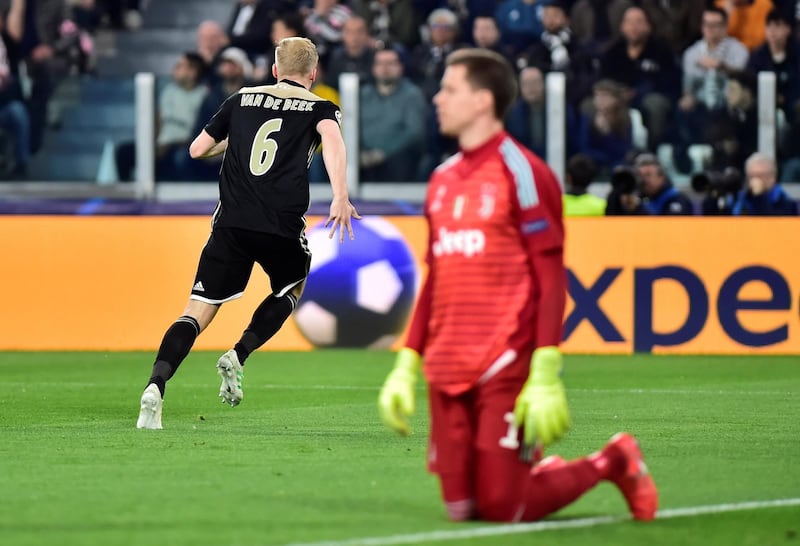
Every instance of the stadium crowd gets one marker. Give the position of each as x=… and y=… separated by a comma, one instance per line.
x=655, y=76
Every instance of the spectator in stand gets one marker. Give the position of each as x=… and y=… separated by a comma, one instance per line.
x=466, y=11
x=747, y=20
x=211, y=40
x=324, y=26
x=527, y=119
x=733, y=131
x=597, y=22
x=789, y=150
x=178, y=105
x=763, y=194
x=251, y=22
x=660, y=197
x=392, y=122
x=780, y=54
x=286, y=25
x=651, y=191
x=554, y=48
x=120, y=14
x=645, y=65
x=580, y=173
x=427, y=59
x=234, y=71
x=390, y=21
x=486, y=35
x=520, y=23
x=37, y=41
x=605, y=135
x=706, y=66
x=354, y=54
x=557, y=50
x=677, y=21
x=14, y=119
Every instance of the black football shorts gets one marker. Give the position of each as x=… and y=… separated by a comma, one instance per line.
x=228, y=257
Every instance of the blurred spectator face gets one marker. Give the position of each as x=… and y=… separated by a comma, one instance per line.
x=653, y=179
x=355, y=35
x=777, y=34
x=610, y=108
x=386, y=67
x=210, y=40
x=604, y=101
x=184, y=73
x=761, y=175
x=444, y=28
x=554, y=19
x=531, y=85
x=635, y=27
x=737, y=96
x=230, y=71
x=485, y=32
x=714, y=30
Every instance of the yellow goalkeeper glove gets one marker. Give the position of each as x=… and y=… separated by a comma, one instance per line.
x=541, y=406
x=396, y=400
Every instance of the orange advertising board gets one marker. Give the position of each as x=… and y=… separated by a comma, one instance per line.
x=683, y=285
x=677, y=285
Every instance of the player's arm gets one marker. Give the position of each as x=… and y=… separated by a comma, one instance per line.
x=334, y=156
x=204, y=146
x=541, y=407
x=396, y=400
x=213, y=139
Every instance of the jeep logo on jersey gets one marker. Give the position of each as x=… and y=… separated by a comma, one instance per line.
x=464, y=241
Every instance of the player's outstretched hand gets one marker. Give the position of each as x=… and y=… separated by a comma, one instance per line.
x=541, y=407
x=396, y=399
x=340, y=217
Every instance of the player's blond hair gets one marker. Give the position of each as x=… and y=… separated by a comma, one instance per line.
x=296, y=57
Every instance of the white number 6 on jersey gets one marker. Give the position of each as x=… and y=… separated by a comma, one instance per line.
x=262, y=154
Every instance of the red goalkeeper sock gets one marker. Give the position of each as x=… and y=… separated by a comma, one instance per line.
x=551, y=487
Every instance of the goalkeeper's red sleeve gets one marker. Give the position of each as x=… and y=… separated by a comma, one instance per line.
x=551, y=276
x=418, y=330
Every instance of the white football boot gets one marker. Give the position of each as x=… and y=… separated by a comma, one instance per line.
x=150, y=412
x=232, y=373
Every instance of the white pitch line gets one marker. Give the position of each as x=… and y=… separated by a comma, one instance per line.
x=275, y=386
x=376, y=388
x=537, y=527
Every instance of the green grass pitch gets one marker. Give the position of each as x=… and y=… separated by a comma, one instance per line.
x=305, y=459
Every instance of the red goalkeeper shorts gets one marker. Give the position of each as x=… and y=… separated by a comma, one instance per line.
x=480, y=420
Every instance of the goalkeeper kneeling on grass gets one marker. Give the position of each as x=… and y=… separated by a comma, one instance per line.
x=488, y=322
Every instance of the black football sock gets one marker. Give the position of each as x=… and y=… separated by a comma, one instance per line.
x=177, y=343
x=267, y=320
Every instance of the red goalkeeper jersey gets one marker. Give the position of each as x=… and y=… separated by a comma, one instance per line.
x=490, y=212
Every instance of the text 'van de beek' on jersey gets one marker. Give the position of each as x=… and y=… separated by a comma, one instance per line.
x=272, y=135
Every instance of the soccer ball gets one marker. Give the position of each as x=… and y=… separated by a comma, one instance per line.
x=359, y=293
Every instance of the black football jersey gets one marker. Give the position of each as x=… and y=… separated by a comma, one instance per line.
x=272, y=136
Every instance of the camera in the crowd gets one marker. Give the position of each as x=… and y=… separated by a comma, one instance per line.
x=726, y=182
x=625, y=179
x=720, y=188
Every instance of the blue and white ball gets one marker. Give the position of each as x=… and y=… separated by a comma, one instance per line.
x=359, y=293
